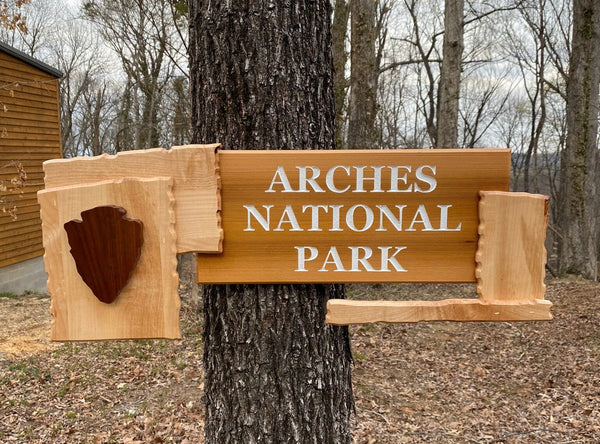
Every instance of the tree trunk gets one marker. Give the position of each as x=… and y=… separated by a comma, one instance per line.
x=261, y=78
x=449, y=87
x=363, y=75
x=579, y=227
x=340, y=57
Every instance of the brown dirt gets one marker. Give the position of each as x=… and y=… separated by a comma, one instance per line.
x=532, y=382
x=26, y=325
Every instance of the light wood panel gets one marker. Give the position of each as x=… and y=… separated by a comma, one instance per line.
x=32, y=137
x=195, y=185
x=345, y=312
x=423, y=182
x=16, y=83
x=42, y=109
x=23, y=226
x=24, y=255
x=511, y=257
x=148, y=306
x=29, y=121
x=17, y=240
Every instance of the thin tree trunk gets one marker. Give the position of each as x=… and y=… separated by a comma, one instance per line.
x=449, y=87
x=261, y=78
x=363, y=75
x=579, y=226
x=95, y=109
x=339, y=31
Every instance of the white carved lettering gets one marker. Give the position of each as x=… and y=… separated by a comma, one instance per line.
x=330, y=177
x=288, y=217
x=395, y=178
x=304, y=180
x=333, y=257
x=360, y=179
x=422, y=217
x=302, y=259
x=363, y=259
x=368, y=218
x=429, y=180
x=280, y=178
x=264, y=222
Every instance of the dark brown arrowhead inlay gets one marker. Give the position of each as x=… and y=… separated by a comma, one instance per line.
x=106, y=247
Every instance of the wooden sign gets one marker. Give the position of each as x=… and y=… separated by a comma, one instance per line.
x=352, y=216
x=148, y=305
x=173, y=194
x=112, y=226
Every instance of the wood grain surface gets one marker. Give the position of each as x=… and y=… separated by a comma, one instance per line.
x=511, y=256
x=194, y=169
x=330, y=205
x=106, y=247
x=344, y=312
x=30, y=134
x=148, y=306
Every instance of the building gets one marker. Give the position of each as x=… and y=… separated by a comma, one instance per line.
x=29, y=134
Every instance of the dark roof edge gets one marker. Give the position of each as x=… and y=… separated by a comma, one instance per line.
x=30, y=60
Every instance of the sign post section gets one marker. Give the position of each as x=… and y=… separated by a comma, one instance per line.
x=324, y=216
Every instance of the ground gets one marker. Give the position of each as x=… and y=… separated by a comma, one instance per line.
x=530, y=382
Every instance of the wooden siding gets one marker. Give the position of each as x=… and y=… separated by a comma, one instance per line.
x=30, y=134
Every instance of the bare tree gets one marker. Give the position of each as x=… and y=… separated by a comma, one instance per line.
x=363, y=75
x=137, y=32
x=578, y=250
x=534, y=17
x=428, y=58
x=38, y=20
x=485, y=97
x=339, y=31
x=449, y=85
x=79, y=56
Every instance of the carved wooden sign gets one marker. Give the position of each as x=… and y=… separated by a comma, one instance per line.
x=352, y=216
x=287, y=217
x=174, y=195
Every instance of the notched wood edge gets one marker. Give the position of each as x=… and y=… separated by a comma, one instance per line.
x=479, y=255
x=53, y=285
x=214, y=147
x=173, y=262
x=219, y=199
x=46, y=241
x=128, y=153
x=480, y=242
x=346, y=312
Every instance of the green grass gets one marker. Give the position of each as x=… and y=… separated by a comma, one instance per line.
x=8, y=295
x=359, y=356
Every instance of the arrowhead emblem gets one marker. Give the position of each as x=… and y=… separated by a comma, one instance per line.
x=106, y=247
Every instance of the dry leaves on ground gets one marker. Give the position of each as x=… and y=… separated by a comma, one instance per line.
x=532, y=382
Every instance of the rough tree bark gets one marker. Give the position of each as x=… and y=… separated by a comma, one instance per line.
x=261, y=78
x=579, y=165
x=449, y=86
x=363, y=75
